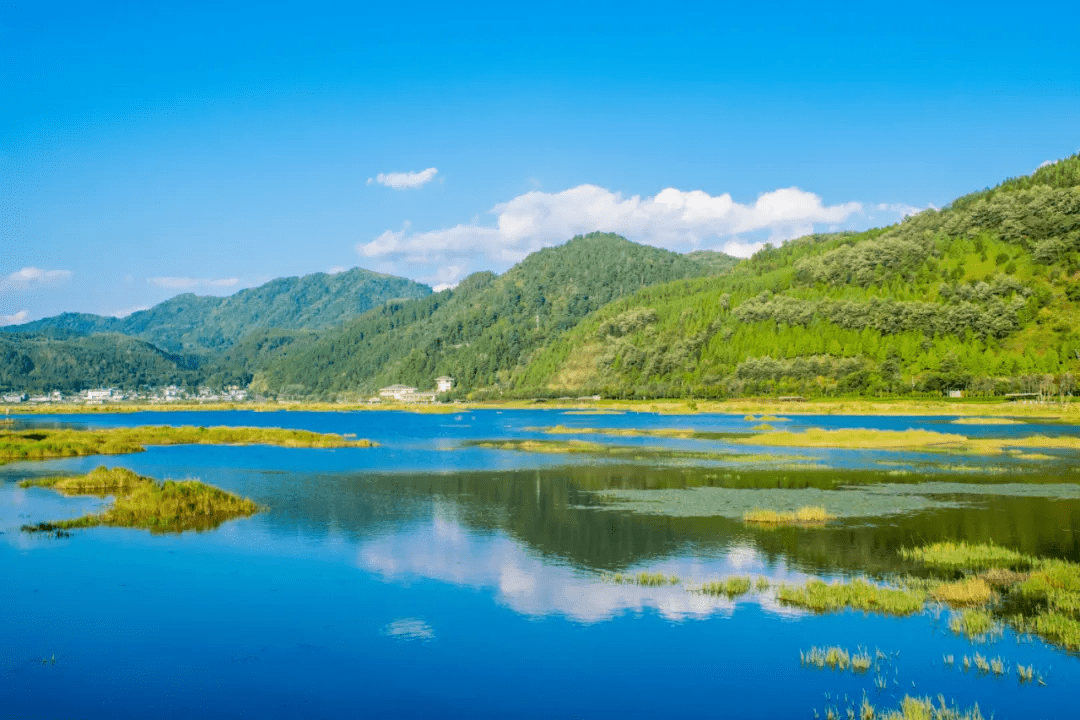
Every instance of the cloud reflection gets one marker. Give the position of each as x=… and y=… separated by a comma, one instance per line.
x=444, y=549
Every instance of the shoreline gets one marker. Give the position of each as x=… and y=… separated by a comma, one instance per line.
x=856, y=407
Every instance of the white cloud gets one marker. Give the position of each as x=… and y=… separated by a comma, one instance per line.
x=129, y=311
x=31, y=277
x=673, y=219
x=336, y=270
x=16, y=319
x=405, y=180
x=190, y=283
x=902, y=209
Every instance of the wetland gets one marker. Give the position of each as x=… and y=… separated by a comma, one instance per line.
x=466, y=562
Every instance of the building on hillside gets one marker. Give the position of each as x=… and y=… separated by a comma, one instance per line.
x=444, y=384
x=396, y=392
x=15, y=398
x=99, y=394
x=418, y=397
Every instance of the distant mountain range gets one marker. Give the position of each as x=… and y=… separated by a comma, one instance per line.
x=981, y=297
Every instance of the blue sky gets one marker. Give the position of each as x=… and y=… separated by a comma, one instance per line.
x=156, y=148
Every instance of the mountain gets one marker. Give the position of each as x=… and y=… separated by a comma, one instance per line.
x=982, y=296
x=193, y=324
x=488, y=327
x=38, y=362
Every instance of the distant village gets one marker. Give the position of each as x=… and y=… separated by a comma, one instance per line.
x=232, y=394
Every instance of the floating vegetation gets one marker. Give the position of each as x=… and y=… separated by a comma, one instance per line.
x=41, y=444
x=911, y=708
x=1025, y=673
x=730, y=587
x=819, y=596
x=834, y=658
x=644, y=578
x=142, y=502
x=763, y=427
x=986, y=421
x=862, y=439
x=807, y=515
x=762, y=583
x=735, y=503
x=677, y=433
x=1049, y=591
x=632, y=452
x=967, y=592
x=974, y=624
x=953, y=555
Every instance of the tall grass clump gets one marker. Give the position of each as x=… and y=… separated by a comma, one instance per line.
x=141, y=502
x=951, y=555
x=963, y=593
x=858, y=594
x=49, y=443
x=100, y=481
x=803, y=516
x=730, y=587
x=976, y=624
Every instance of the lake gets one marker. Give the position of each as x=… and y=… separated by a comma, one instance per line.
x=428, y=576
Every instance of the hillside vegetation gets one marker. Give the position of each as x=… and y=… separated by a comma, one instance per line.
x=193, y=324
x=485, y=329
x=982, y=296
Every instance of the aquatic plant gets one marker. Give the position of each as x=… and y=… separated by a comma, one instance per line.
x=762, y=584
x=975, y=624
x=100, y=481
x=644, y=578
x=803, y=516
x=141, y=502
x=730, y=587
x=953, y=555
x=966, y=592
x=858, y=594
x=997, y=666
x=1025, y=673
x=911, y=708
x=40, y=444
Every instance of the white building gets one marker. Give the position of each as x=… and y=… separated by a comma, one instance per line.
x=396, y=392
x=444, y=384
x=99, y=394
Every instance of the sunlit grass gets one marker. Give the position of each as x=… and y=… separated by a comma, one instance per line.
x=644, y=578
x=975, y=624
x=858, y=595
x=48, y=443
x=141, y=502
x=803, y=516
x=952, y=555
x=967, y=592
x=730, y=587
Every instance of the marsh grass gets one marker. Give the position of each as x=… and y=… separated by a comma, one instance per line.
x=818, y=596
x=730, y=587
x=42, y=444
x=101, y=481
x=141, y=502
x=963, y=593
x=1043, y=601
x=976, y=624
x=805, y=516
x=619, y=451
x=644, y=579
x=953, y=555
x=862, y=439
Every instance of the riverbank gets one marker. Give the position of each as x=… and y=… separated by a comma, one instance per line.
x=966, y=408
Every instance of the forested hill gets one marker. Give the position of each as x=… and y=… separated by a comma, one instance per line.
x=982, y=296
x=487, y=327
x=192, y=324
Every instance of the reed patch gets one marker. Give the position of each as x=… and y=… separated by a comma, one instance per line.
x=142, y=502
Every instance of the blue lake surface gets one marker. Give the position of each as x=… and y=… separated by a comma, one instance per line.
x=426, y=577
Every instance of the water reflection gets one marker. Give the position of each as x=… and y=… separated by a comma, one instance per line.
x=446, y=550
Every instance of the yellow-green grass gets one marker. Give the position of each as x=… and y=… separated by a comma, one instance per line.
x=986, y=421
x=644, y=578
x=817, y=406
x=975, y=624
x=678, y=433
x=1049, y=591
x=632, y=452
x=822, y=597
x=968, y=592
x=141, y=502
x=805, y=516
x=730, y=587
x=960, y=555
x=910, y=708
x=862, y=439
x=101, y=481
x=837, y=658
x=41, y=444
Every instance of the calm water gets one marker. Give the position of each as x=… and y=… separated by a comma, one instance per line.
x=424, y=577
